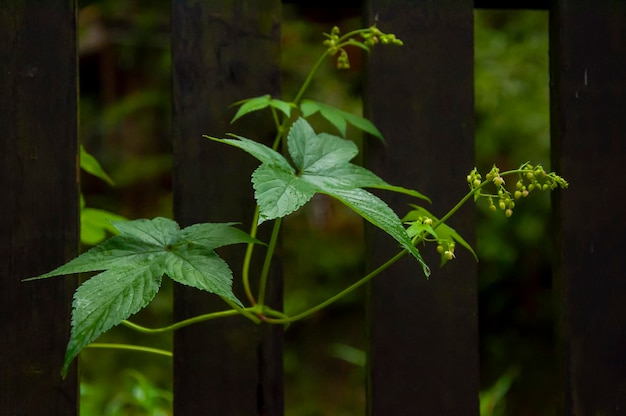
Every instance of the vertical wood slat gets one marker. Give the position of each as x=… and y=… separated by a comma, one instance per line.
x=423, y=333
x=222, y=52
x=588, y=98
x=39, y=210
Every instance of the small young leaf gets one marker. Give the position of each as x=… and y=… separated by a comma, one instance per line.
x=90, y=164
x=250, y=105
x=134, y=262
x=258, y=103
x=339, y=118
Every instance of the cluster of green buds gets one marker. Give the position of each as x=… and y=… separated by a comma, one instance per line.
x=533, y=178
x=505, y=202
x=530, y=178
x=335, y=42
x=446, y=251
x=374, y=36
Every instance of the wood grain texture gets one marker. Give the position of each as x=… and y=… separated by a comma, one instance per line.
x=588, y=97
x=423, y=357
x=223, y=52
x=39, y=210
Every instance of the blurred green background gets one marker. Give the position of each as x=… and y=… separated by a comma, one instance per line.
x=125, y=116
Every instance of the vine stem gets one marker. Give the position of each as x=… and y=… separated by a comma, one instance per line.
x=245, y=270
x=190, y=321
x=268, y=261
x=309, y=78
x=387, y=264
x=341, y=294
x=130, y=347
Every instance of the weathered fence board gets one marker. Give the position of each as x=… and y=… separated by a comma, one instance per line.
x=424, y=338
x=588, y=72
x=222, y=52
x=39, y=210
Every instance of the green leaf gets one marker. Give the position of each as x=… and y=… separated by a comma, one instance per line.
x=90, y=164
x=313, y=153
x=258, y=103
x=134, y=262
x=322, y=164
x=260, y=151
x=339, y=118
x=279, y=192
x=108, y=298
x=95, y=224
x=377, y=212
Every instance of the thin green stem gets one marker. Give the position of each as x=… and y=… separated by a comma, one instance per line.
x=245, y=312
x=309, y=78
x=469, y=195
x=186, y=322
x=268, y=260
x=351, y=34
x=245, y=271
x=131, y=348
x=341, y=294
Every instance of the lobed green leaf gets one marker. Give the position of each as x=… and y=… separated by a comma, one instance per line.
x=134, y=262
x=322, y=164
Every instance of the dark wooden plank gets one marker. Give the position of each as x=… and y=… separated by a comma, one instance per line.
x=423, y=357
x=588, y=72
x=222, y=52
x=39, y=210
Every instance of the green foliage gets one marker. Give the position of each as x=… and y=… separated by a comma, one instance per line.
x=138, y=396
x=339, y=119
x=422, y=223
x=258, y=103
x=135, y=262
x=90, y=164
x=321, y=165
x=95, y=223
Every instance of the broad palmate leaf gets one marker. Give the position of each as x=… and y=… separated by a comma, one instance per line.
x=134, y=263
x=322, y=165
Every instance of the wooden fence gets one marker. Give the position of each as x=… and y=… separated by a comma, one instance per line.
x=223, y=51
